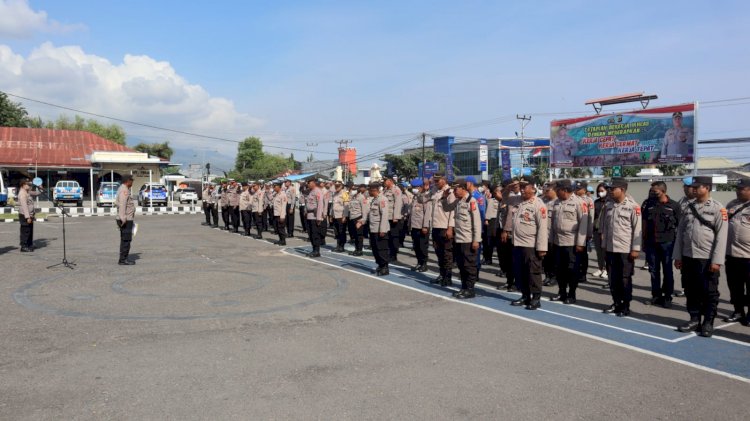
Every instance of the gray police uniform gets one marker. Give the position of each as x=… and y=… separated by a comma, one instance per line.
x=621, y=235
x=440, y=219
x=337, y=215
x=395, y=219
x=357, y=205
x=26, y=211
x=417, y=221
x=569, y=221
x=527, y=222
x=738, y=255
x=698, y=245
x=126, y=216
x=468, y=230
x=377, y=217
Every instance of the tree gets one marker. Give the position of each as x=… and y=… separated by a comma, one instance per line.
x=407, y=166
x=249, y=151
x=162, y=150
x=112, y=132
x=541, y=172
x=12, y=114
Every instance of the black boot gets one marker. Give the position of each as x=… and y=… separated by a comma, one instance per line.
x=707, y=330
x=438, y=280
x=691, y=326
x=422, y=268
x=535, y=302
x=457, y=293
x=466, y=294
x=447, y=281
x=519, y=302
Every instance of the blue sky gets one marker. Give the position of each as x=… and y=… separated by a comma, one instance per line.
x=301, y=72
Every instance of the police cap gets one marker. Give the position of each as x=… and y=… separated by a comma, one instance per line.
x=566, y=185
x=618, y=182
x=742, y=183
x=702, y=180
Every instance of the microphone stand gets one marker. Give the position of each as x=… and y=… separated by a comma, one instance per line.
x=64, y=262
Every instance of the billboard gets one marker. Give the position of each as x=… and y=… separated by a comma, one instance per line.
x=483, y=154
x=654, y=136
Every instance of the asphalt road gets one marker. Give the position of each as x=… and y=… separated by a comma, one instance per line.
x=210, y=325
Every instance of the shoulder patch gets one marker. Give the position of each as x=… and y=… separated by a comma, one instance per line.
x=473, y=206
x=585, y=207
x=637, y=210
x=724, y=214
x=543, y=210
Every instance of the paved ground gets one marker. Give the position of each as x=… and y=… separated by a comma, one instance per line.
x=210, y=325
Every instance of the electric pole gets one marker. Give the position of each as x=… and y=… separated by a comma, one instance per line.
x=424, y=162
x=525, y=120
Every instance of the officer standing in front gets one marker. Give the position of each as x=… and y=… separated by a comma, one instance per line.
x=442, y=221
x=467, y=236
x=358, y=205
x=246, y=209
x=206, y=204
x=581, y=188
x=291, y=202
x=419, y=233
x=621, y=238
x=377, y=218
x=699, y=252
x=569, y=219
x=213, y=205
x=26, y=214
x=280, y=213
x=738, y=252
x=125, y=218
x=527, y=223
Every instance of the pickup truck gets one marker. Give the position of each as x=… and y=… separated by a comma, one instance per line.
x=67, y=191
x=186, y=195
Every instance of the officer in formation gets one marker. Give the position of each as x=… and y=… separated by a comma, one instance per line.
x=291, y=202
x=206, y=195
x=549, y=197
x=377, y=218
x=510, y=189
x=359, y=204
x=489, y=233
x=569, y=221
x=699, y=252
x=125, y=218
x=233, y=193
x=280, y=212
x=257, y=205
x=738, y=252
x=224, y=204
x=395, y=214
x=419, y=223
x=316, y=209
x=621, y=238
x=581, y=189
x=467, y=235
x=527, y=223
x=337, y=215
x=26, y=214
x=246, y=211
x=441, y=221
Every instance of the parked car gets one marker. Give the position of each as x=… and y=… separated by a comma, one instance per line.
x=3, y=191
x=153, y=194
x=186, y=195
x=67, y=191
x=107, y=194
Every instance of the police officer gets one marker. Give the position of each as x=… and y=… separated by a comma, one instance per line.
x=511, y=188
x=678, y=139
x=213, y=205
x=471, y=185
x=661, y=216
x=224, y=204
x=246, y=208
x=26, y=213
x=395, y=205
x=527, y=222
x=303, y=192
x=442, y=221
x=419, y=233
x=407, y=197
x=291, y=198
x=700, y=250
x=468, y=236
x=316, y=208
x=257, y=203
x=621, y=238
x=569, y=220
x=125, y=218
x=377, y=218
x=549, y=196
x=489, y=232
x=268, y=209
x=280, y=212
x=358, y=205
x=233, y=193
x=337, y=216
x=738, y=252
x=206, y=194
x=581, y=188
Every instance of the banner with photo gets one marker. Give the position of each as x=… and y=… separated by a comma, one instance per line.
x=653, y=136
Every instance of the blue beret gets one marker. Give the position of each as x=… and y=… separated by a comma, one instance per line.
x=471, y=179
x=687, y=181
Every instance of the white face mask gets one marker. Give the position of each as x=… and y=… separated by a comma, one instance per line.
x=515, y=194
x=602, y=194
x=415, y=191
x=481, y=190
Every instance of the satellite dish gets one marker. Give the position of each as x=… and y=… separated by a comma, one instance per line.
x=37, y=182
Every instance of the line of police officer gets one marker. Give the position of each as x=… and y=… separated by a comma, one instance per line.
x=532, y=236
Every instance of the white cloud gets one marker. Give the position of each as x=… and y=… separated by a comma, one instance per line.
x=139, y=88
x=18, y=20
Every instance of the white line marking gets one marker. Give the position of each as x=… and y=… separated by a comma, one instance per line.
x=575, y=332
x=608, y=326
